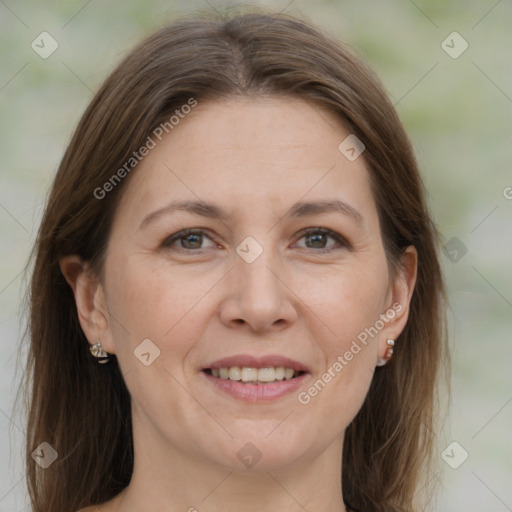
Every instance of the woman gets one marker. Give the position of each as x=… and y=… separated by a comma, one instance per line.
x=237, y=302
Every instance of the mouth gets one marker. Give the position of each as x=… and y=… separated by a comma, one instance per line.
x=258, y=376
x=255, y=379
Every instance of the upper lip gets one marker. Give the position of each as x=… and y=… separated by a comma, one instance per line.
x=246, y=360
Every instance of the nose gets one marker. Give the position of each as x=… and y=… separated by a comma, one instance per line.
x=258, y=297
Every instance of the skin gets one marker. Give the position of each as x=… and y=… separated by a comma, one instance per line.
x=255, y=158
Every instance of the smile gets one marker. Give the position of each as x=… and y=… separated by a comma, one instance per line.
x=255, y=384
x=255, y=375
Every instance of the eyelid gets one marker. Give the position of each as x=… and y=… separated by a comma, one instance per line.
x=342, y=241
x=169, y=240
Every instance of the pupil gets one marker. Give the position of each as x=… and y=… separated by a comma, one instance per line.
x=316, y=238
x=194, y=237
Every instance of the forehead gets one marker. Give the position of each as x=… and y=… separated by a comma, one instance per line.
x=251, y=153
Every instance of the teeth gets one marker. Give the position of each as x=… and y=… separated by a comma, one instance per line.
x=249, y=374
x=234, y=373
x=267, y=374
x=254, y=375
x=288, y=373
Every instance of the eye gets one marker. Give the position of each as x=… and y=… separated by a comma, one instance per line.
x=189, y=239
x=316, y=238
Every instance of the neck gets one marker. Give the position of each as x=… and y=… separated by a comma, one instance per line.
x=167, y=478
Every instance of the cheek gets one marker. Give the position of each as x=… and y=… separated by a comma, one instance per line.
x=336, y=393
x=346, y=308
x=156, y=302
x=346, y=301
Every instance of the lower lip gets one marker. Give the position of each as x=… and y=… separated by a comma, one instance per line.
x=257, y=392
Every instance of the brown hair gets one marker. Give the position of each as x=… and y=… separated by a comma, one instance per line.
x=82, y=409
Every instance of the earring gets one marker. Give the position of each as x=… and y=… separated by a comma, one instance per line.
x=102, y=356
x=388, y=354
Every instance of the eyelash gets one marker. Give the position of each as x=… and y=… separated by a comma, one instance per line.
x=167, y=243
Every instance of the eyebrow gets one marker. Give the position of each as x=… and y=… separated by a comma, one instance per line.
x=299, y=209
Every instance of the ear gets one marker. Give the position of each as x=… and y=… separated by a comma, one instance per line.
x=399, y=299
x=90, y=301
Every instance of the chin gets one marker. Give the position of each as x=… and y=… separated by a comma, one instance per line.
x=262, y=449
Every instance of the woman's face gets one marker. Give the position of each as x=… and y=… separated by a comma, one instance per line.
x=284, y=268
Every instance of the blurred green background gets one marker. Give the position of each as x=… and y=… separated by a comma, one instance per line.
x=458, y=112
